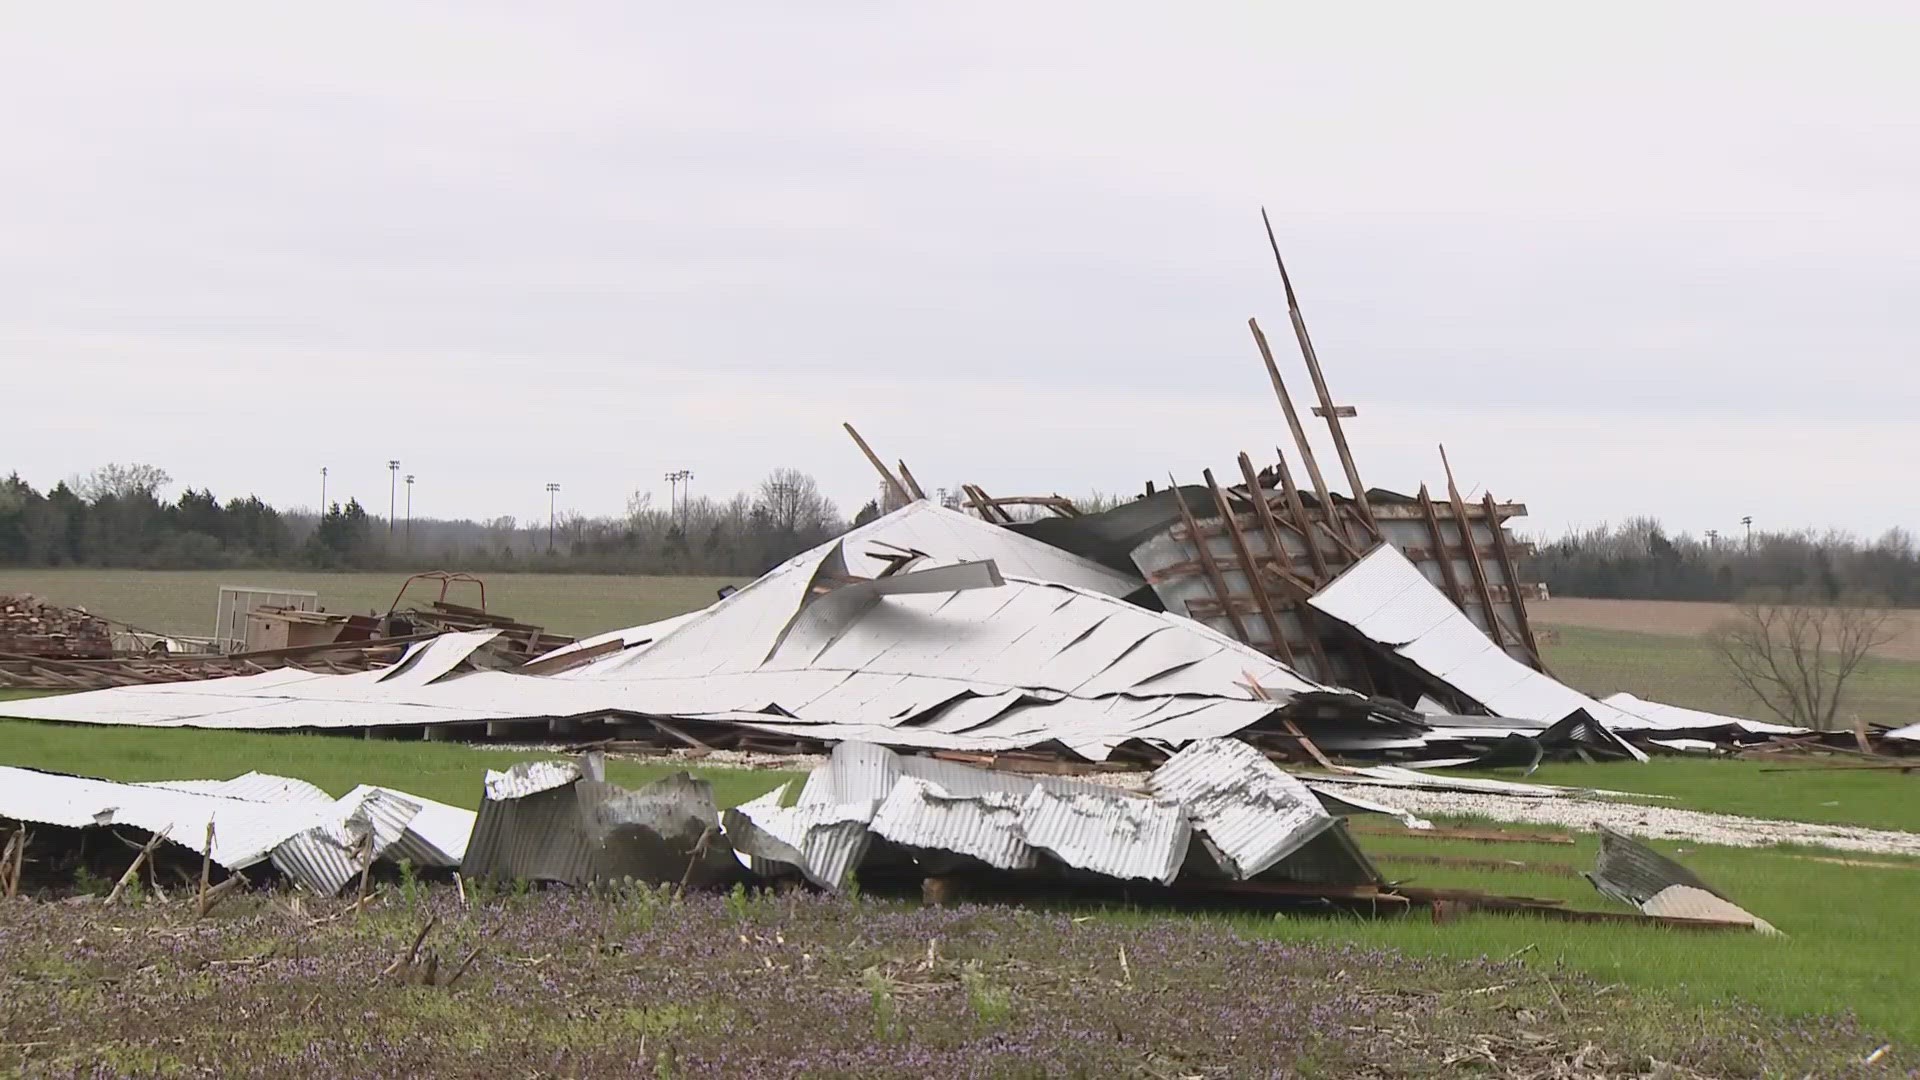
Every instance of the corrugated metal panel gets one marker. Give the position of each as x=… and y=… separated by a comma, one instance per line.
x=1910, y=733
x=664, y=833
x=925, y=817
x=1252, y=814
x=824, y=841
x=534, y=837
x=327, y=856
x=1108, y=833
x=1389, y=600
x=245, y=833
x=435, y=837
x=525, y=778
x=858, y=773
x=252, y=787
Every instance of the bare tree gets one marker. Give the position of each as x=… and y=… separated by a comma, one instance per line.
x=120, y=481
x=791, y=500
x=1796, y=655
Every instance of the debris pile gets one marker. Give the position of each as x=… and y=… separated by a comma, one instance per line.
x=30, y=628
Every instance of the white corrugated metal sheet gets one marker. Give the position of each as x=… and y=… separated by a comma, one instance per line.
x=1108, y=832
x=524, y=778
x=824, y=841
x=361, y=828
x=923, y=815
x=1910, y=733
x=1252, y=814
x=252, y=787
x=245, y=833
x=1389, y=600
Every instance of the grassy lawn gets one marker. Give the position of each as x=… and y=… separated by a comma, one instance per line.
x=1684, y=671
x=1849, y=943
x=182, y=601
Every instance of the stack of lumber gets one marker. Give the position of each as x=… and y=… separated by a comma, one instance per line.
x=31, y=628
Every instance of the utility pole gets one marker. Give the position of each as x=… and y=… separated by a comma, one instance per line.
x=393, y=477
x=323, y=491
x=1748, y=522
x=552, y=490
x=409, y=538
x=1713, y=539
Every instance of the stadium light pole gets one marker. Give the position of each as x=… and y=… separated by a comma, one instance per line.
x=323, y=491
x=393, y=479
x=1748, y=522
x=552, y=491
x=409, y=536
x=679, y=477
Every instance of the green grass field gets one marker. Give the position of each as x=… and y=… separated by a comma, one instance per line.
x=1683, y=671
x=182, y=601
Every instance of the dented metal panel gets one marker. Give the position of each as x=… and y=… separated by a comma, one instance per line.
x=823, y=841
x=1108, y=832
x=1251, y=813
x=361, y=829
x=252, y=787
x=925, y=817
x=524, y=778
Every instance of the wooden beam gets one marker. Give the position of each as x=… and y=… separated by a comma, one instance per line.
x=1328, y=409
x=1206, y=563
x=1320, y=490
x=1299, y=511
x=1247, y=567
x=1514, y=596
x=1445, y=559
x=1323, y=670
x=1494, y=630
x=912, y=484
x=893, y=483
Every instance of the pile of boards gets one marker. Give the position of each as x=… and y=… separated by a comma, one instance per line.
x=30, y=628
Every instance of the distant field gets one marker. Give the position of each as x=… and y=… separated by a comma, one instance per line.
x=1683, y=671
x=182, y=601
x=1688, y=618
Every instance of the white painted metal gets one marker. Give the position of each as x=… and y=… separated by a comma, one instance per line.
x=1388, y=599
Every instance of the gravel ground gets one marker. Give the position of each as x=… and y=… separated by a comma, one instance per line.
x=1656, y=822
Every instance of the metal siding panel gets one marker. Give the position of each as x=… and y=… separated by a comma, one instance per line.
x=922, y=815
x=1108, y=833
x=1252, y=813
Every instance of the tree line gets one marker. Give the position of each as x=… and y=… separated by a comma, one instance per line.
x=1639, y=560
x=116, y=516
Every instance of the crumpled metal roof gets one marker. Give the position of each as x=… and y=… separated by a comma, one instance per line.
x=947, y=815
x=825, y=841
x=524, y=778
x=1108, y=832
x=316, y=840
x=1251, y=813
x=1910, y=733
x=1389, y=601
x=954, y=655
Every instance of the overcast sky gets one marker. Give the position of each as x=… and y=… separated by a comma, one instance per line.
x=1660, y=260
